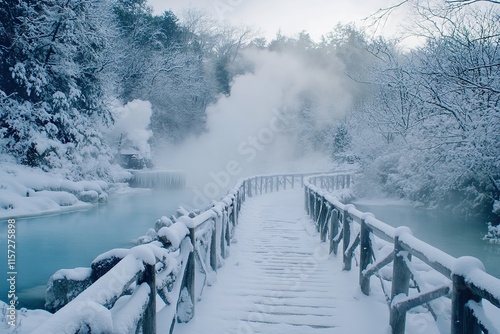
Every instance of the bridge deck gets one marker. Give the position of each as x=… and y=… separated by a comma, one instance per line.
x=280, y=279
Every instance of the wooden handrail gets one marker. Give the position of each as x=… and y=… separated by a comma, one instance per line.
x=89, y=309
x=468, y=281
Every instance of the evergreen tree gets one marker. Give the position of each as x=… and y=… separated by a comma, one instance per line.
x=51, y=97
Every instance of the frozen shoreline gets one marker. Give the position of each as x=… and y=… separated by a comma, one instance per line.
x=28, y=192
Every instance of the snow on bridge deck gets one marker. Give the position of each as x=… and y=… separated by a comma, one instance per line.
x=280, y=279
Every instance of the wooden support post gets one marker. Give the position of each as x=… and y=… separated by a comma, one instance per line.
x=243, y=191
x=284, y=182
x=312, y=204
x=462, y=319
x=223, y=234
x=319, y=207
x=306, y=199
x=326, y=223
x=149, y=317
x=334, y=230
x=237, y=204
x=365, y=257
x=234, y=213
x=401, y=275
x=346, y=236
x=227, y=236
x=191, y=270
x=250, y=187
x=214, y=258
x=293, y=181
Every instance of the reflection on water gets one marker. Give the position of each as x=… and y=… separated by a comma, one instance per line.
x=449, y=232
x=49, y=243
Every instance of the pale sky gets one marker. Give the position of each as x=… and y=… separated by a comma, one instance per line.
x=290, y=16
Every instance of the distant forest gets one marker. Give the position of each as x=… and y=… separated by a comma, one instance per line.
x=422, y=124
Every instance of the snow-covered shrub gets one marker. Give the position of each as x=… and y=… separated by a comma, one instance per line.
x=493, y=235
x=26, y=320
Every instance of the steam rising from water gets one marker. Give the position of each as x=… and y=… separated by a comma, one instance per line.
x=255, y=129
x=132, y=125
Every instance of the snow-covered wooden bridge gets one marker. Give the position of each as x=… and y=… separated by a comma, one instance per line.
x=280, y=279
x=282, y=262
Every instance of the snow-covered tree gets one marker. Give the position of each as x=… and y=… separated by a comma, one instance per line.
x=50, y=90
x=437, y=109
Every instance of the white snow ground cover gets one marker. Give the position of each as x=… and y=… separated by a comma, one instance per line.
x=28, y=191
x=280, y=279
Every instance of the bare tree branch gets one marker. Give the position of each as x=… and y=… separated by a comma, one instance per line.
x=468, y=2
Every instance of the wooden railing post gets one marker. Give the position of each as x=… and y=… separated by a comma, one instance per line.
x=319, y=209
x=312, y=203
x=307, y=200
x=334, y=230
x=149, y=317
x=223, y=234
x=233, y=213
x=249, y=187
x=346, y=236
x=243, y=189
x=462, y=320
x=365, y=257
x=191, y=269
x=227, y=234
x=401, y=275
x=322, y=220
x=214, y=258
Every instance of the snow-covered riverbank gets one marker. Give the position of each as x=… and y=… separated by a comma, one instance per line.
x=28, y=191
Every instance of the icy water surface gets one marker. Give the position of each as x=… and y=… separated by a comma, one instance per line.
x=451, y=233
x=49, y=243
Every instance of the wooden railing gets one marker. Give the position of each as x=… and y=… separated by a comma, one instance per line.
x=189, y=247
x=467, y=283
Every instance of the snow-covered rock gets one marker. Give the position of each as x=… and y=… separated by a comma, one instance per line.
x=64, y=286
x=104, y=262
